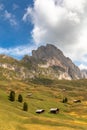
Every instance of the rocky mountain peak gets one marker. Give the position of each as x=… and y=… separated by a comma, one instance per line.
x=51, y=58
x=47, y=51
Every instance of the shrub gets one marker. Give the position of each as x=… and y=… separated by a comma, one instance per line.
x=65, y=100
x=25, y=106
x=20, y=98
x=12, y=96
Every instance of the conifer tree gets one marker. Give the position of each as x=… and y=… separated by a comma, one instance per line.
x=65, y=100
x=12, y=96
x=25, y=106
x=20, y=98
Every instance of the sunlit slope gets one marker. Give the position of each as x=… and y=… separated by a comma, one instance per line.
x=72, y=116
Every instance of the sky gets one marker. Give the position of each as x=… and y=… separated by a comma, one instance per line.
x=27, y=24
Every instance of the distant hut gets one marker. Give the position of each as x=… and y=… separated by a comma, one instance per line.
x=29, y=95
x=39, y=111
x=54, y=110
x=77, y=101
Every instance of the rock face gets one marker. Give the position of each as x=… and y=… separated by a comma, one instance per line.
x=84, y=73
x=47, y=61
x=51, y=62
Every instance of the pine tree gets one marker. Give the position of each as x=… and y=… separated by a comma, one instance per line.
x=12, y=96
x=25, y=106
x=65, y=100
x=20, y=98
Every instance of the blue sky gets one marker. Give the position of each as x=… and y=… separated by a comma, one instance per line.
x=16, y=33
x=27, y=24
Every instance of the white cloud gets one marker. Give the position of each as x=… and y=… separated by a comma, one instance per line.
x=75, y=5
x=8, y=16
x=82, y=67
x=26, y=15
x=11, y=18
x=62, y=23
x=18, y=51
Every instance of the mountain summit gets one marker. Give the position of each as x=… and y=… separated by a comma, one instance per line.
x=49, y=61
x=48, y=51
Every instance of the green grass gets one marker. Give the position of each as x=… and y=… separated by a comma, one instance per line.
x=72, y=116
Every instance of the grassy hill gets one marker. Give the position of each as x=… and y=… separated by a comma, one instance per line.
x=45, y=94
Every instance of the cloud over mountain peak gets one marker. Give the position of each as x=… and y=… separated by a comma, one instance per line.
x=62, y=23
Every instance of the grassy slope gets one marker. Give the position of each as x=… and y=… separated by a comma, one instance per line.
x=71, y=117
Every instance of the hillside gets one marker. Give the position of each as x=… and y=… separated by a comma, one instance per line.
x=72, y=116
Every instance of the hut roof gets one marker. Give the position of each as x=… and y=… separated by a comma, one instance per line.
x=54, y=109
x=40, y=110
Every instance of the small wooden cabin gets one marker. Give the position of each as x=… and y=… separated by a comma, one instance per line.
x=54, y=110
x=29, y=95
x=77, y=101
x=40, y=111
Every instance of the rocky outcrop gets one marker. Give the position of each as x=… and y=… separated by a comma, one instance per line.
x=84, y=73
x=51, y=58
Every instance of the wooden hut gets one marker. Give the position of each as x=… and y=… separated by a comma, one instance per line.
x=54, y=110
x=77, y=101
x=40, y=111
